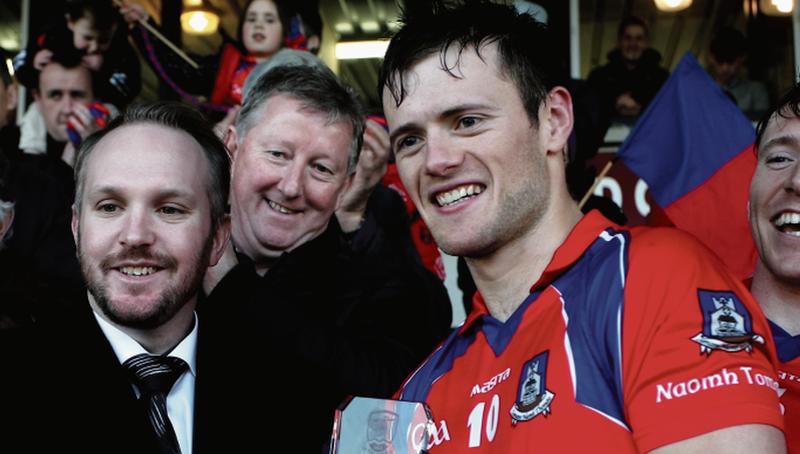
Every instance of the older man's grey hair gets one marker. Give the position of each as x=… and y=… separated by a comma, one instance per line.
x=317, y=89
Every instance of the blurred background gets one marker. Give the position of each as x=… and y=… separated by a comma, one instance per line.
x=768, y=25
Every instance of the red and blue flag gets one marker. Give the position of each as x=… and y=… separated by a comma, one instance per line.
x=694, y=149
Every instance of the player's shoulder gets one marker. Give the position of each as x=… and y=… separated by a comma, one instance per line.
x=668, y=243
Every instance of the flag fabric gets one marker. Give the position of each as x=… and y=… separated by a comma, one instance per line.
x=694, y=149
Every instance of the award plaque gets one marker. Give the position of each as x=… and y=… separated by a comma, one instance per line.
x=365, y=425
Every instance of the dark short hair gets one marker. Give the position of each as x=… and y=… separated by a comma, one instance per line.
x=787, y=107
x=728, y=44
x=176, y=116
x=525, y=47
x=318, y=89
x=69, y=58
x=103, y=14
x=632, y=20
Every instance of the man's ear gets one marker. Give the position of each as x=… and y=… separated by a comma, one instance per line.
x=231, y=142
x=221, y=238
x=75, y=224
x=559, y=118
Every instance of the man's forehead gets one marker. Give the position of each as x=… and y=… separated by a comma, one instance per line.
x=634, y=31
x=783, y=127
x=457, y=63
x=66, y=78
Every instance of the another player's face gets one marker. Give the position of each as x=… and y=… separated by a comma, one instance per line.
x=60, y=89
x=775, y=199
x=262, y=32
x=633, y=42
x=468, y=154
x=289, y=176
x=144, y=227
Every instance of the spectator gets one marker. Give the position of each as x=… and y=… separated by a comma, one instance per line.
x=632, y=76
x=220, y=77
x=94, y=29
x=727, y=58
x=340, y=322
x=149, y=220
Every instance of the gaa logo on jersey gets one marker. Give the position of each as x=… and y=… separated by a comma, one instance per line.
x=533, y=398
x=727, y=324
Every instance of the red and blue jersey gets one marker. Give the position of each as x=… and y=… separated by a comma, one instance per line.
x=788, y=347
x=630, y=340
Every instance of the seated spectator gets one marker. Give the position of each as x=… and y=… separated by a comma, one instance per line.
x=727, y=58
x=632, y=76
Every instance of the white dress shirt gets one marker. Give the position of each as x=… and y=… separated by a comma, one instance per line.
x=180, y=401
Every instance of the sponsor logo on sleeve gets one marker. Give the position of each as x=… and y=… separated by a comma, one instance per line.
x=727, y=324
x=533, y=398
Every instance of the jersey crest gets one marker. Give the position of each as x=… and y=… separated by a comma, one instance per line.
x=533, y=398
x=727, y=324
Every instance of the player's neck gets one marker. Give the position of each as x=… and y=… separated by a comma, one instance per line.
x=779, y=300
x=504, y=277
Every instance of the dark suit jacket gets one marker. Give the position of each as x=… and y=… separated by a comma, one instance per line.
x=330, y=324
x=63, y=390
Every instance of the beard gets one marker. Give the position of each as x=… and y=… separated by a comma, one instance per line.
x=169, y=301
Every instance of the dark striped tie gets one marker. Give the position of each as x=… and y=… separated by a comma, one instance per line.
x=154, y=377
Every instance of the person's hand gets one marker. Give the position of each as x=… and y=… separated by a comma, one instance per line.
x=82, y=121
x=132, y=13
x=628, y=106
x=370, y=169
x=222, y=128
x=92, y=61
x=42, y=58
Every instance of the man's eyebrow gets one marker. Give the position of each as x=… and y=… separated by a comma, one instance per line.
x=784, y=139
x=445, y=114
x=168, y=193
x=404, y=129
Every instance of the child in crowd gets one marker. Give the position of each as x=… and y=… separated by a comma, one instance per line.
x=220, y=77
x=93, y=28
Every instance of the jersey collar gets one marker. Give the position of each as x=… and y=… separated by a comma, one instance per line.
x=578, y=240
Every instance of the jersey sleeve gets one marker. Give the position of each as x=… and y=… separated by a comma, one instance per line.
x=697, y=351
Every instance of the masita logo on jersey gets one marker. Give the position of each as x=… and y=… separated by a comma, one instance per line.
x=727, y=324
x=533, y=398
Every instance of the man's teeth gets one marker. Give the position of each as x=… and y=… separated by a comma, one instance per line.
x=454, y=195
x=280, y=208
x=788, y=223
x=137, y=270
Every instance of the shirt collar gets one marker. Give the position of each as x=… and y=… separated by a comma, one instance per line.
x=582, y=235
x=125, y=347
